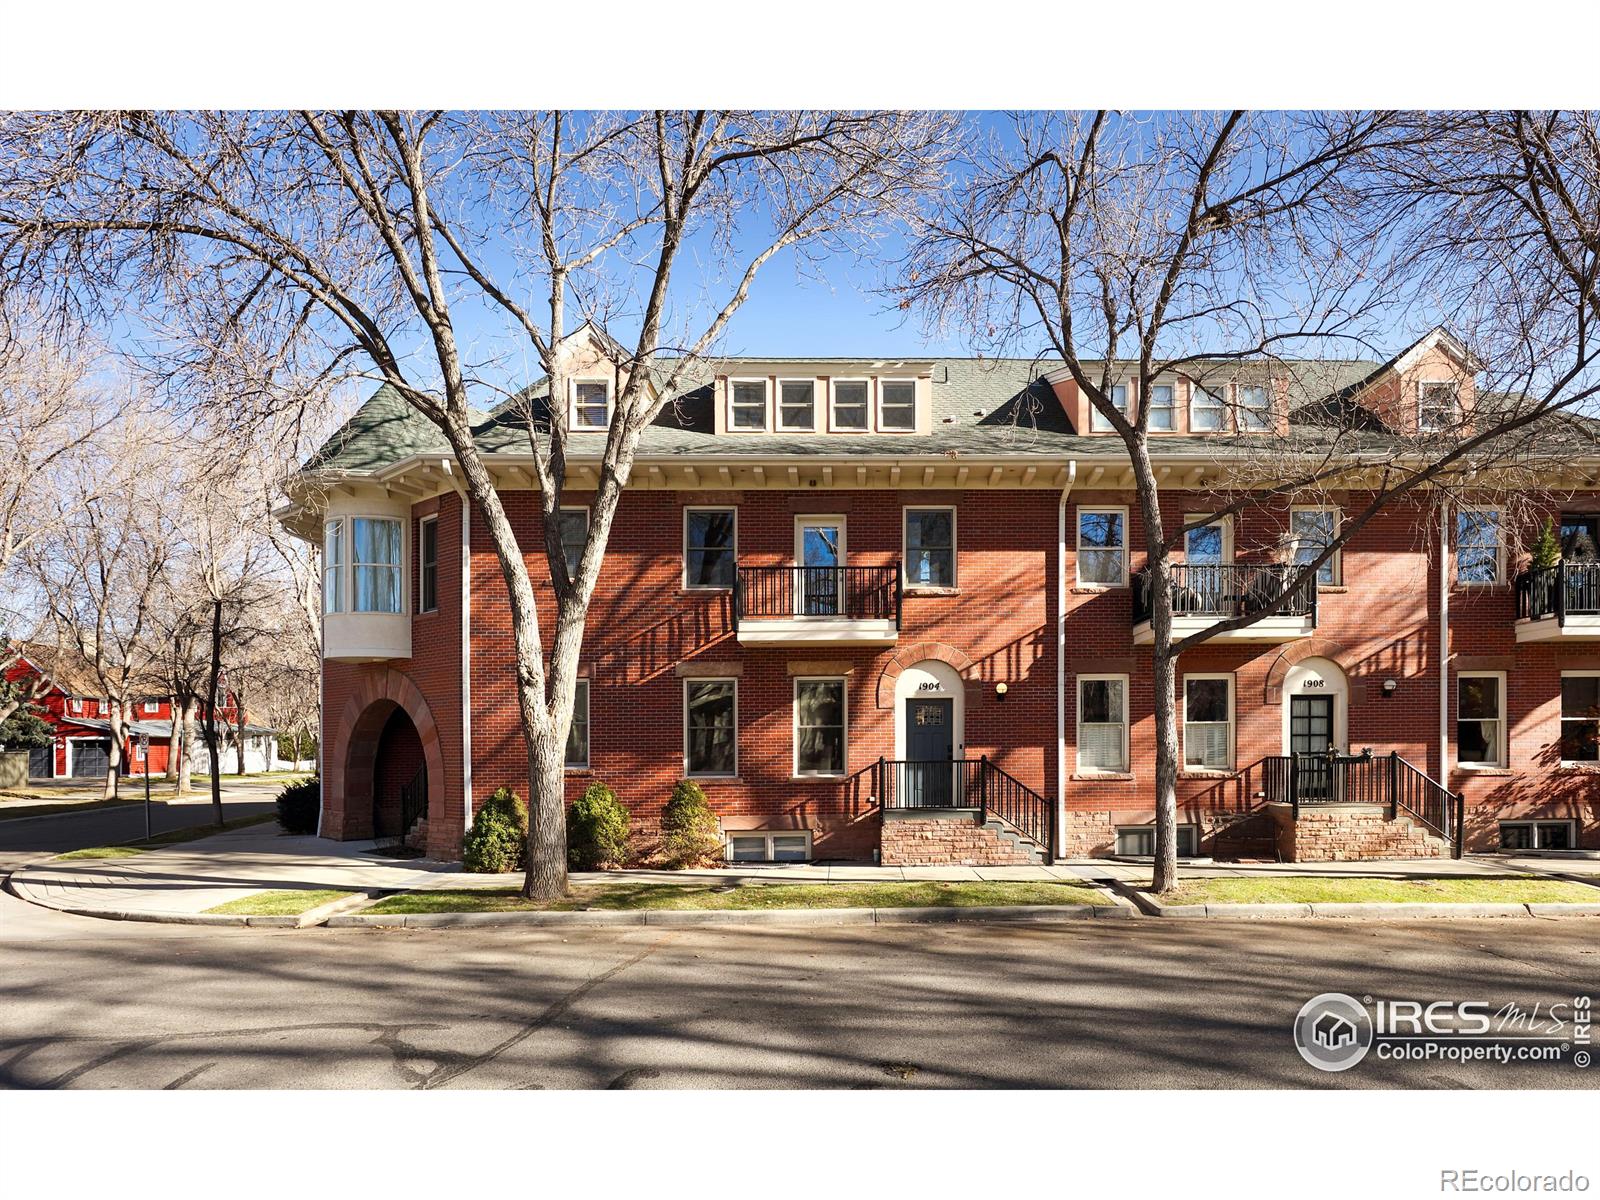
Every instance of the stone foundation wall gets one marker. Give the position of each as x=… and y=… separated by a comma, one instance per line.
x=947, y=842
x=1355, y=835
x=1088, y=835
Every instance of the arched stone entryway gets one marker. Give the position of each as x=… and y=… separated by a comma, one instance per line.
x=384, y=734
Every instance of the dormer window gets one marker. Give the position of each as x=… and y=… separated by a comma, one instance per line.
x=1438, y=407
x=1206, y=406
x=850, y=406
x=1098, y=421
x=797, y=404
x=591, y=404
x=1161, y=406
x=747, y=405
x=1255, y=408
x=897, y=405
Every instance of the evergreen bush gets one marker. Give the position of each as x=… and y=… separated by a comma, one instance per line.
x=597, y=830
x=498, y=839
x=298, y=806
x=689, y=833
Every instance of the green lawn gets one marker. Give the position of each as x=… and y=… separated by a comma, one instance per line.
x=621, y=897
x=278, y=904
x=1334, y=890
x=170, y=838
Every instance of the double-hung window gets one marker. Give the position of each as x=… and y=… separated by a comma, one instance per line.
x=1103, y=546
x=1102, y=723
x=897, y=405
x=1438, y=407
x=1478, y=546
x=1481, y=719
x=710, y=547
x=1208, y=722
x=591, y=404
x=711, y=727
x=1311, y=531
x=747, y=405
x=931, y=547
x=1161, y=407
x=152, y=706
x=1580, y=716
x=427, y=564
x=797, y=404
x=578, y=733
x=1255, y=408
x=574, y=533
x=850, y=407
x=1206, y=406
x=333, y=567
x=820, y=724
x=1098, y=421
x=375, y=557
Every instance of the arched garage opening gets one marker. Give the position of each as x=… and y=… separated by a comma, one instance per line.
x=385, y=768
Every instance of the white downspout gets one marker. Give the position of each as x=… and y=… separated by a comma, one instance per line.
x=466, y=644
x=1444, y=647
x=1061, y=659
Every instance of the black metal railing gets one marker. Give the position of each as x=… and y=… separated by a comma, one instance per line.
x=1233, y=590
x=1389, y=780
x=1566, y=588
x=852, y=593
x=967, y=783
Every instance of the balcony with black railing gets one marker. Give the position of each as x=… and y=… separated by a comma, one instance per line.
x=1206, y=593
x=1559, y=602
x=818, y=606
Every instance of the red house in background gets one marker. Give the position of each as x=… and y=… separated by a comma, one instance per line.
x=65, y=690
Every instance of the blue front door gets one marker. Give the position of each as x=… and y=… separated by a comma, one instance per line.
x=930, y=747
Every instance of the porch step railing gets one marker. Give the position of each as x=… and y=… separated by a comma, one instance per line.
x=967, y=783
x=1388, y=780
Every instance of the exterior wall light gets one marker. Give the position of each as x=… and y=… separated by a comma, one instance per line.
x=1390, y=687
x=1000, y=690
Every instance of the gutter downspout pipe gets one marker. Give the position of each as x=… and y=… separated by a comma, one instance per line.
x=1444, y=646
x=446, y=466
x=1061, y=659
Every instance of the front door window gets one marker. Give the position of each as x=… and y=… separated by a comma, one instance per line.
x=821, y=568
x=1310, y=739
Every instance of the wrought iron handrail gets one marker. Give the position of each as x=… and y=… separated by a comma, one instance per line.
x=853, y=593
x=967, y=783
x=1228, y=590
x=1559, y=590
x=1302, y=780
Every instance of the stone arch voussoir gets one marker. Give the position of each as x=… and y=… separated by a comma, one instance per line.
x=349, y=757
x=909, y=656
x=1298, y=652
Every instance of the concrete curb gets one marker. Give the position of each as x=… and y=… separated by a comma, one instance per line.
x=314, y=916
x=684, y=918
x=1336, y=911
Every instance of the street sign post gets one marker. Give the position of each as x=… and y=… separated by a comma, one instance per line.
x=144, y=753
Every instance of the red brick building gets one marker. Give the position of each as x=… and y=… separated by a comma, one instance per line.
x=894, y=609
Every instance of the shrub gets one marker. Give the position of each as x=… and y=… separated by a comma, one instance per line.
x=498, y=839
x=1547, y=550
x=689, y=834
x=299, y=805
x=597, y=829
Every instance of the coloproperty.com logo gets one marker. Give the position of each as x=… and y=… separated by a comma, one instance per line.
x=1335, y=1031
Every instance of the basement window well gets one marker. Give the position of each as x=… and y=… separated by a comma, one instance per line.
x=790, y=846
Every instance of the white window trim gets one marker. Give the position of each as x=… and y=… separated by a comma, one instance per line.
x=138, y=750
x=1505, y=726
x=687, y=683
x=684, y=570
x=833, y=403
x=584, y=509
x=1096, y=416
x=572, y=403
x=1078, y=543
x=1233, y=728
x=794, y=726
x=348, y=567
x=1422, y=387
x=1194, y=833
x=1500, y=548
x=778, y=405
x=767, y=835
x=1226, y=522
x=766, y=404
x=1336, y=560
x=1561, y=718
x=1534, y=823
x=878, y=408
x=588, y=742
x=422, y=569
x=75, y=705
x=1240, y=408
x=152, y=706
x=339, y=570
x=1224, y=414
x=1082, y=768
x=1173, y=409
x=955, y=557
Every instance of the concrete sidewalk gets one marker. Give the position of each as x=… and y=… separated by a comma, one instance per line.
x=190, y=878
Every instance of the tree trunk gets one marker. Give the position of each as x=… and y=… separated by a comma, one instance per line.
x=547, y=819
x=114, y=762
x=209, y=714
x=174, y=739
x=186, y=756
x=238, y=722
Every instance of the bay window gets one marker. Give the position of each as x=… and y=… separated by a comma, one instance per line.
x=333, y=567
x=375, y=559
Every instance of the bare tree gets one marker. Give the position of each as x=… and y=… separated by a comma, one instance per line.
x=1210, y=246
x=306, y=242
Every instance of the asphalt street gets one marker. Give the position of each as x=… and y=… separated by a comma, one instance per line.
x=1097, y=1004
